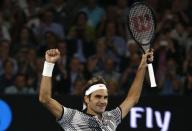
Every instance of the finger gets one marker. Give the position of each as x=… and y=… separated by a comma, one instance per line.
x=57, y=51
x=151, y=58
x=48, y=52
x=149, y=50
x=152, y=50
x=51, y=52
x=148, y=54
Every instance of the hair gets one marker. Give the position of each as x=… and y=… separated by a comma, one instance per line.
x=93, y=81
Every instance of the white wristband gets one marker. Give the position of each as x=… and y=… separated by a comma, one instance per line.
x=48, y=69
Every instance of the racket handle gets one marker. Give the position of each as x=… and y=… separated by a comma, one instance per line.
x=151, y=75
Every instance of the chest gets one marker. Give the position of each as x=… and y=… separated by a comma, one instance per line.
x=84, y=122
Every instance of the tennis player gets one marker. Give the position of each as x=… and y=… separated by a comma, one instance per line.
x=93, y=117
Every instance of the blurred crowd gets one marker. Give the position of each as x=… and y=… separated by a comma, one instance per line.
x=93, y=39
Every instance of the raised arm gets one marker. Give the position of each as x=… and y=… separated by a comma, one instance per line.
x=45, y=97
x=136, y=87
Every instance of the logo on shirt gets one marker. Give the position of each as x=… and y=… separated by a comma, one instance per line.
x=5, y=115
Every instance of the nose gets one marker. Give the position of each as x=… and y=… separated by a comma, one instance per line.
x=103, y=101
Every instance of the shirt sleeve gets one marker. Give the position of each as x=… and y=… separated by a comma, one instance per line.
x=116, y=113
x=67, y=116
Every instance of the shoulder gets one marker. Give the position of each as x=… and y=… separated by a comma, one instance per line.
x=69, y=113
x=116, y=111
x=114, y=115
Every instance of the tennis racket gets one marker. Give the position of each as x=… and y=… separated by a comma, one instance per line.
x=142, y=24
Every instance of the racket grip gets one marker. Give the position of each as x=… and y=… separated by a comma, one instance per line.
x=151, y=75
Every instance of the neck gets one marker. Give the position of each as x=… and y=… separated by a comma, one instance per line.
x=90, y=112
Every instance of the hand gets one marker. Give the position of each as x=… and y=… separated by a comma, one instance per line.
x=147, y=57
x=52, y=55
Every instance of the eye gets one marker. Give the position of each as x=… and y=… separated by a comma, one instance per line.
x=98, y=96
x=106, y=97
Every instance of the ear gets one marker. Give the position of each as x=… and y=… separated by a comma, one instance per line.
x=86, y=99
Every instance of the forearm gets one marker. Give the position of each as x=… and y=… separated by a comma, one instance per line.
x=45, y=89
x=136, y=88
x=134, y=92
x=45, y=98
x=46, y=82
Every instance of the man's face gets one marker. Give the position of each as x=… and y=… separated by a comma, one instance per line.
x=97, y=102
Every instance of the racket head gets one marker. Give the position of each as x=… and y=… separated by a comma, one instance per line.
x=142, y=24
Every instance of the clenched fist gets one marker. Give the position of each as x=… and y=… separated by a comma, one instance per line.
x=52, y=55
x=147, y=57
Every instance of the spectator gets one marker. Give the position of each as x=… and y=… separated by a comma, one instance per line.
x=94, y=13
x=109, y=72
x=129, y=72
x=113, y=88
x=74, y=72
x=5, y=54
x=82, y=28
x=31, y=68
x=48, y=25
x=61, y=13
x=20, y=86
x=79, y=85
x=96, y=62
x=19, y=20
x=30, y=7
x=7, y=78
x=50, y=41
x=172, y=82
x=4, y=30
x=24, y=39
x=114, y=42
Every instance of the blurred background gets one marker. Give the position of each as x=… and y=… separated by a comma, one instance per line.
x=93, y=39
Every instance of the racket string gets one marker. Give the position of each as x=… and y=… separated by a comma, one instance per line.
x=140, y=17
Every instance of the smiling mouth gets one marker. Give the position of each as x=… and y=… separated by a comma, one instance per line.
x=101, y=106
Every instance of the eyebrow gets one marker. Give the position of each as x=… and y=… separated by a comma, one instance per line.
x=106, y=96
